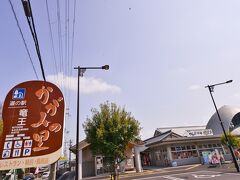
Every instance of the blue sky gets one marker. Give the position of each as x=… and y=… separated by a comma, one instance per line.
x=161, y=55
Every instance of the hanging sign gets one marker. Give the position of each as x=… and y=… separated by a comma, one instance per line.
x=33, y=116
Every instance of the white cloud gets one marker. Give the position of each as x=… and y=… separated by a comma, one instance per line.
x=182, y=70
x=236, y=95
x=87, y=85
x=194, y=87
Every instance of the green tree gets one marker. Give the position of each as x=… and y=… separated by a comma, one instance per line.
x=109, y=131
x=233, y=140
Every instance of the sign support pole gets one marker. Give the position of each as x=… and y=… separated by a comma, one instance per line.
x=52, y=174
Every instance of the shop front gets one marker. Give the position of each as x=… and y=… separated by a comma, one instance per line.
x=182, y=150
x=96, y=165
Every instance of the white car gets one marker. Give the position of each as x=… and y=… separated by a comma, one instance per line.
x=43, y=169
x=45, y=175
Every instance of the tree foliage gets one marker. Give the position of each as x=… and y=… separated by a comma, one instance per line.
x=234, y=141
x=110, y=130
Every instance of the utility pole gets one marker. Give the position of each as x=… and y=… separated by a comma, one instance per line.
x=69, y=156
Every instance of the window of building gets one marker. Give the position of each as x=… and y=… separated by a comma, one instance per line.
x=157, y=155
x=182, y=152
x=160, y=153
x=210, y=145
x=178, y=148
x=195, y=153
x=174, y=155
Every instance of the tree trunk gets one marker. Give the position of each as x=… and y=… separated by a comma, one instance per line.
x=115, y=174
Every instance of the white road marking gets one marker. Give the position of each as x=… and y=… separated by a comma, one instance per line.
x=193, y=166
x=172, y=178
x=199, y=176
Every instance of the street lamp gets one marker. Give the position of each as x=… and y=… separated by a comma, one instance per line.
x=211, y=89
x=81, y=71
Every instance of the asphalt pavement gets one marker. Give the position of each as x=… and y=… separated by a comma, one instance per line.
x=203, y=175
x=197, y=171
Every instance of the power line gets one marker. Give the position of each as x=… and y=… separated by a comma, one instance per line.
x=25, y=44
x=51, y=37
x=67, y=48
x=73, y=33
x=66, y=36
x=59, y=35
x=36, y=42
x=69, y=68
x=30, y=19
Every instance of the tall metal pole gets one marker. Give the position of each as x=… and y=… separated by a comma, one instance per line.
x=77, y=138
x=81, y=71
x=210, y=88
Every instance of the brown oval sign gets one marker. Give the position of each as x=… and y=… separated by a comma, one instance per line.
x=33, y=116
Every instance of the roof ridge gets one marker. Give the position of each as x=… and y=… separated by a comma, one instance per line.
x=180, y=127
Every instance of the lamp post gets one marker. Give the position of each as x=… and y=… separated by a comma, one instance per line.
x=211, y=89
x=81, y=71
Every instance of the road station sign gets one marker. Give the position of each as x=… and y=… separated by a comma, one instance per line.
x=33, y=117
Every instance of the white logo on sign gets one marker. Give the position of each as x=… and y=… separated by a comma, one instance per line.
x=15, y=94
x=19, y=93
x=28, y=143
x=8, y=145
x=16, y=153
x=27, y=151
x=23, y=112
x=18, y=144
x=6, y=153
x=12, y=103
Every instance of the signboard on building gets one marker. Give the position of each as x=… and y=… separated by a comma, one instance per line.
x=99, y=162
x=205, y=157
x=198, y=132
x=33, y=115
x=129, y=164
